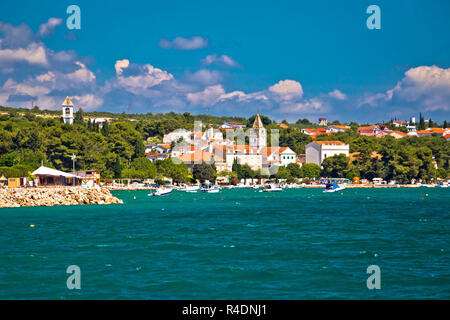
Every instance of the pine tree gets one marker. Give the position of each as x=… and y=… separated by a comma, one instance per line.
x=421, y=122
x=117, y=168
x=139, y=150
x=105, y=129
x=79, y=117
x=89, y=125
x=445, y=125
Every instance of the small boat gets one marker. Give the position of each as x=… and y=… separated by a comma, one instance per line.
x=209, y=188
x=161, y=192
x=272, y=187
x=333, y=187
x=191, y=189
x=442, y=184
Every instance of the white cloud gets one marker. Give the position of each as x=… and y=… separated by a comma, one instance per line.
x=120, y=65
x=48, y=28
x=287, y=89
x=34, y=54
x=220, y=60
x=206, y=77
x=209, y=96
x=337, y=95
x=180, y=43
x=82, y=74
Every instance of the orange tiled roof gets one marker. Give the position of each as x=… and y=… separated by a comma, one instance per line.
x=196, y=156
x=339, y=126
x=283, y=126
x=167, y=146
x=330, y=143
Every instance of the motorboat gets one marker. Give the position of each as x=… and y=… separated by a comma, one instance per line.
x=190, y=189
x=272, y=187
x=209, y=188
x=161, y=192
x=333, y=187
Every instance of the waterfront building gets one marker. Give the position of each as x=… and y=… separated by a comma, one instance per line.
x=317, y=151
x=67, y=111
x=52, y=177
x=281, y=156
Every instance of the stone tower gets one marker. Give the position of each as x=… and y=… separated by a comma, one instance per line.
x=67, y=111
x=258, y=135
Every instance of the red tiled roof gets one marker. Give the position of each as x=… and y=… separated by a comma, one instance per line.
x=330, y=143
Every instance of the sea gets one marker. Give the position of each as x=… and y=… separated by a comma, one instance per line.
x=237, y=244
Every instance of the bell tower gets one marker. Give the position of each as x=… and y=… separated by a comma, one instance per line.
x=258, y=134
x=67, y=111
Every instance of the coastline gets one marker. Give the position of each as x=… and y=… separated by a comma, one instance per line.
x=47, y=197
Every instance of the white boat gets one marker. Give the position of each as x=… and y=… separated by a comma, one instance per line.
x=272, y=187
x=191, y=189
x=209, y=188
x=442, y=184
x=333, y=187
x=161, y=192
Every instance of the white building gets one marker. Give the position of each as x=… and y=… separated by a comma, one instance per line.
x=176, y=135
x=318, y=151
x=67, y=111
x=258, y=134
x=280, y=156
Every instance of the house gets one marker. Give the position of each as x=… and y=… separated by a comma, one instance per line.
x=399, y=123
x=317, y=151
x=278, y=155
x=153, y=156
x=100, y=121
x=176, y=135
x=411, y=128
x=337, y=128
x=89, y=178
x=52, y=177
x=231, y=125
x=323, y=122
x=398, y=134
x=313, y=133
x=283, y=126
x=158, y=148
x=368, y=131
x=196, y=157
x=431, y=131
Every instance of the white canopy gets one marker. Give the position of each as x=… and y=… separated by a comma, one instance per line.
x=44, y=171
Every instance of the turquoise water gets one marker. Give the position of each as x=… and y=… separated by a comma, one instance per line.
x=298, y=244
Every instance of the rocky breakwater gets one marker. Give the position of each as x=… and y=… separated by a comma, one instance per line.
x=31, y=197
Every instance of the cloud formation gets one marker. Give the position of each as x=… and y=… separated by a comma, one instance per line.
x=48, y=28
x=222, y=60
x=180, y=43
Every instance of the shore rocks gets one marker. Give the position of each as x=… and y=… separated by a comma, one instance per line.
x=32, y=197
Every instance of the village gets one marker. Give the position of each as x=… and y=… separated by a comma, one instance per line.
x=223, y=147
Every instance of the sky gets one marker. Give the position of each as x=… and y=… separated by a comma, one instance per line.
x=285, y=59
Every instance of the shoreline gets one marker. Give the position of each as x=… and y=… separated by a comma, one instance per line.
x=59, y=196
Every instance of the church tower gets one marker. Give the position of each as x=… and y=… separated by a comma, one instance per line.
x=258, y=135
x=67, y=111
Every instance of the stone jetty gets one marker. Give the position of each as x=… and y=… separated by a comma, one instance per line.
x=31, y=197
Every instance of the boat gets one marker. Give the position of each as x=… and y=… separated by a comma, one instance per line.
x=333, y=187
x=209, y=188
x=442, y=184
x=161, y=192
x=272, y=187
x=190, y=189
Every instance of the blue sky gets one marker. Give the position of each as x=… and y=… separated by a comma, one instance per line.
x=286, y=59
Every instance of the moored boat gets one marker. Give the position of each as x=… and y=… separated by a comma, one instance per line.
x=333, y=187
x=272, y=187
x=161, y=192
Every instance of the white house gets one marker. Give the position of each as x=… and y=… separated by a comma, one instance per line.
x=278, y=155
x=318, y=151
x=176, y=135
x=337, y=128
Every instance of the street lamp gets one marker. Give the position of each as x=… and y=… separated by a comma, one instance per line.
x=73, y=162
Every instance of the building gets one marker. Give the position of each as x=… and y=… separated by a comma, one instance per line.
x=318, y=151
x=231, y=125
x=399, y=123
x=281, y=156
x=67, y=111
x=89, y=178
x=52, y=177
x=176, y=135
x=258, y=134
x=323, y=122
x=337, y=128
x=316, y=132
x=368, y=131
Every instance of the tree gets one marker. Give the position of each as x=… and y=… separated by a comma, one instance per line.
x=139, y=150
x=310, y=170
x=105, y=129
x=421, y=125
x=282, y=173
x=79, y=117
x=442, y=173
x=264, y=119
x=203, y=171
x=335, y=166
x=294, y=170
x=117, y=168
x=445, y=125
x=145, y=166
x=247, y=172
x=237, y=168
